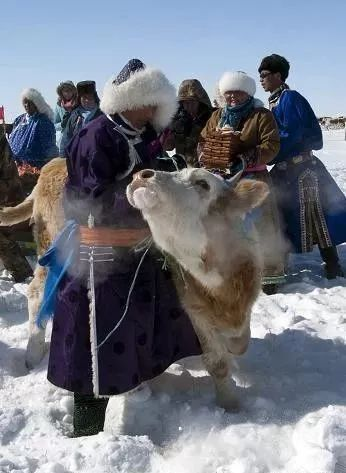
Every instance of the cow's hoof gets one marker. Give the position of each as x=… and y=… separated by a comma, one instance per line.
x=140, y=394
x=230, y=403
x=270, y=289
x=31, y=362
x=35, y=353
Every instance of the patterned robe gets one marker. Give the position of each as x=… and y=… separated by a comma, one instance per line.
x=313, y=207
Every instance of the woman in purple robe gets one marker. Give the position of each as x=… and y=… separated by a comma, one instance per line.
x=120, y=324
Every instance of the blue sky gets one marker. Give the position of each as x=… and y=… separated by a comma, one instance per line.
x=45, y=42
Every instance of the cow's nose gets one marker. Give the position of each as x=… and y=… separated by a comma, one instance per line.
x=146, y=174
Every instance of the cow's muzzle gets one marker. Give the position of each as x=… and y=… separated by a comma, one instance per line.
x=140, y=192
x=140, y=178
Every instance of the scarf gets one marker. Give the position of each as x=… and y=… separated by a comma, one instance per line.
x=88, y=115
x=232, y=116
x=274, y=97
x=68, y=105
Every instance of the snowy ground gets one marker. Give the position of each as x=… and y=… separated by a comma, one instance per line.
x=292, y=383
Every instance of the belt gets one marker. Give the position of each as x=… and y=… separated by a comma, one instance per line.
x=105, y=236
x=256, y=168
x=300, y=158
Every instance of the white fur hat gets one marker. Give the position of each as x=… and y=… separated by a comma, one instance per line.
x=237, y=81
x=139, y=86
x=34, y=96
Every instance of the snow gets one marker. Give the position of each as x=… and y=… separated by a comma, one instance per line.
x=291, y=382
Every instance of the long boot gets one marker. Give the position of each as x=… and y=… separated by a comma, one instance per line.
x=332, y=265
x=88, y=415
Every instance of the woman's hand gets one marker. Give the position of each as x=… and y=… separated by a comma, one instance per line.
x=236, y=145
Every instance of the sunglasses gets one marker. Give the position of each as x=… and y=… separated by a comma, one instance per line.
x=263, y=75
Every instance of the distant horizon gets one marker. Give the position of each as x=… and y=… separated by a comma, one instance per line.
x=50, y=43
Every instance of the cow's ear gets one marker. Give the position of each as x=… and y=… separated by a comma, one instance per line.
x=251, y=193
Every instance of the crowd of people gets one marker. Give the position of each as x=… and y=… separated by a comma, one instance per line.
x=138, y=121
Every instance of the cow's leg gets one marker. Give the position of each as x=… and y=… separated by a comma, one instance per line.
x=218, y=366
x=217, y=362
x=36, y=346
x=239, y=345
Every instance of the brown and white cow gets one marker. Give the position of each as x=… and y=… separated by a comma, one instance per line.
x=197, y=218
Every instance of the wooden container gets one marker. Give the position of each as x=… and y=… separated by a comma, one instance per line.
x=217, y=149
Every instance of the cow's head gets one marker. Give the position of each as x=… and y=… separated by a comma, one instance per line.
x=190, y=210
x=192, y=194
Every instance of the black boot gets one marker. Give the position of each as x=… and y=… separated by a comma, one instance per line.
x=270, y=289
x=13, y=258
x=88, y=415
x=332, y=266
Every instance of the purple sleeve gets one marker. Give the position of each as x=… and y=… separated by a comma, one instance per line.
x=95, y=158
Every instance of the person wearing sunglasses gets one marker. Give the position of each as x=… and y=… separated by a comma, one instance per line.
x=313, y=207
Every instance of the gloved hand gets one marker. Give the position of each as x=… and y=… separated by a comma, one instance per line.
x=236, y=145
x=182, y=122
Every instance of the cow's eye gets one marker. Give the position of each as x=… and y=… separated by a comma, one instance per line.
x=203, y=184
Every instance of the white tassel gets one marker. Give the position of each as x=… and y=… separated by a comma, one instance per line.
x=127, y=299
x=92, y=317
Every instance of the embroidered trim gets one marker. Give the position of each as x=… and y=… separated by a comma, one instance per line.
x=312, y=220
x=273, y=280
x=133, y=155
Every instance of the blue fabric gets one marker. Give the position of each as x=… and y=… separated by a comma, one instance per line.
x=58, y=259
x=298, y=126
x=59, y=113
x=88, y=115
x=232, y=116
x=79, y=118
x=32, y=140
x=251, y=218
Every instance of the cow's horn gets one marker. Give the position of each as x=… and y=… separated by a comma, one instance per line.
x=237, y=169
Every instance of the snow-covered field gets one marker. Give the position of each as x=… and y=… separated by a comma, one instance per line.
x=292, y=383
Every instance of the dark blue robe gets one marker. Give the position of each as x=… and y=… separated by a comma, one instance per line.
x=156, y=331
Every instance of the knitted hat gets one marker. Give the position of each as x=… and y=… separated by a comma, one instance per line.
x=136, y=86
x=237, y=81
x=134, y=65
x=67, y=84
x=275, y=63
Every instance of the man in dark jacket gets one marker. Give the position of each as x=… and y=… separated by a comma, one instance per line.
x=193, y=113
x=312, y=205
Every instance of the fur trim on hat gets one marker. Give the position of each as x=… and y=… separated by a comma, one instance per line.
x=34, y=96
x=237, y=81
x=220, y=100
x=145, y=87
